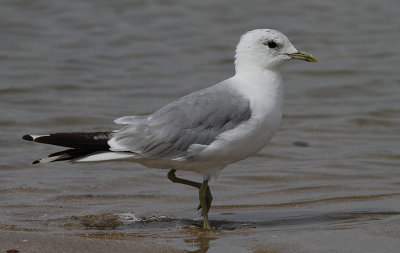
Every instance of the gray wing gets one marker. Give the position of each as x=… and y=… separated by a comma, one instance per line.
x=184, y=127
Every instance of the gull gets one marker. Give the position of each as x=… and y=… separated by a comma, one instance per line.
x=204, y=131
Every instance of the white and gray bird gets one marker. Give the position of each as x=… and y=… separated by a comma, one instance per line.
x=204, y=131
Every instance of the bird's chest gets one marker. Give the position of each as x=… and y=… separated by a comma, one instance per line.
x=263, y=124
x=266, y=108
x=253, y=134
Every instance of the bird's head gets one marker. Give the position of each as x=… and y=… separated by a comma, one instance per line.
x=267, y=49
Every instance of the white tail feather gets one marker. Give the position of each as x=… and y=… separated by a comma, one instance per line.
x=51, y=159
x=106, y=156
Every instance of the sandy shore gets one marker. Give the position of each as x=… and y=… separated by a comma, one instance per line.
x=44, y=242
x=370, y=234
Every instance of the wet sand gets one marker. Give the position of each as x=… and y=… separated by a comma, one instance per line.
x=50, y=242
x=352, y=232
x=269, y=220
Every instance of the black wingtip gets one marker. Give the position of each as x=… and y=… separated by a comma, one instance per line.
x=27, y=137
x=36, y=162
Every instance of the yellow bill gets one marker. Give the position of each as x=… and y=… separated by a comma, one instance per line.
x=301, y=55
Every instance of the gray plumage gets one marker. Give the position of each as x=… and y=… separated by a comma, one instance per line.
x=184, y=127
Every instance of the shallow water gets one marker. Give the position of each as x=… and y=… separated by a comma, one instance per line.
x=329, y=180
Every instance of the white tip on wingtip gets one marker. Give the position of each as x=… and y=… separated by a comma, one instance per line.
x=31, y=137
x=37, y=136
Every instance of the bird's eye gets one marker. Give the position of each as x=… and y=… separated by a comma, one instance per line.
x=271, y=44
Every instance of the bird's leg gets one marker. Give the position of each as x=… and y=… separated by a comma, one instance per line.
x=205, y=202
x=175, y=179
x=208, y=196
x=204, y=194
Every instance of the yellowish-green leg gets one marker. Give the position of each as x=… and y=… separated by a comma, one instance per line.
x=205, y=196
x=205, y=202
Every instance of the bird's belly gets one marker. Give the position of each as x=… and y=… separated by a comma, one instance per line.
x=242, y=141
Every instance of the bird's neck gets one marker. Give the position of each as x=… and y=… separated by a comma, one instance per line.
x=264, y=88
x=251, y=62
x=254, y=76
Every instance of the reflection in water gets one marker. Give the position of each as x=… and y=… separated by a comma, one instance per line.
x=235, y=222
x=197, y=237
x=202, y=242
x=333, y=220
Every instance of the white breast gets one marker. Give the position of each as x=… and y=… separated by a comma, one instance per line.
x=265, y=93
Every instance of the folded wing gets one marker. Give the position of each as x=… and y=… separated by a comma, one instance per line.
x=183, y=128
